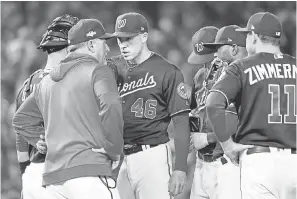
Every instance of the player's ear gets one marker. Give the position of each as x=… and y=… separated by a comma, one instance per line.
x=234, y=50
x=90, y=46
x=254, y=37
x=144, y=37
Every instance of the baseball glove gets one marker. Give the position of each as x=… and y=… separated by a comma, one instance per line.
x=217, y=65
x=194, y=124
x=56, y=36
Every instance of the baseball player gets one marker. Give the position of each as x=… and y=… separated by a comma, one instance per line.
x=31, y=163
x=209, y=156
x=230, y=46
x=153, y=92
x=83, y=125
x=263, y=88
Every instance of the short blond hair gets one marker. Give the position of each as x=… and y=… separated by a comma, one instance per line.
x=75, y=47
x=269, y=40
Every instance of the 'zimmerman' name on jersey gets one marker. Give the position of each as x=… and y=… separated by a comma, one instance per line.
x=260, y=72
x=263, y=87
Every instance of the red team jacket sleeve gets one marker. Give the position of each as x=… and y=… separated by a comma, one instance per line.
x=110, y=110
x=28, y=120
x=222, y=94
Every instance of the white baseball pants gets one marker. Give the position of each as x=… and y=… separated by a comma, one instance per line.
x=145, y=174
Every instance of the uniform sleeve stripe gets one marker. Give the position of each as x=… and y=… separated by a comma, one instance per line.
x=185, y=110
x=231, y=112
x=221, y=93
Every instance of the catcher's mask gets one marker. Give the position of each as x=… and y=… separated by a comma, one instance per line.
x=56, y=36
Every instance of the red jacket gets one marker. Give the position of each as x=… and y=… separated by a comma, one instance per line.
x=81, y=109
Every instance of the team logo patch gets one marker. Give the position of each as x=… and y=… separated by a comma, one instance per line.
x=199, y=47
x=278, y=56
x=182, y=91
x=121, y=23
x=91, y=34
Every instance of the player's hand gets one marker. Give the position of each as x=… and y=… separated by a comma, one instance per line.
x=102, y=150
x=211, y=137
x=41, y=145
x=115, y=164
x=198, y=141
x=177, y=183
x=232, y=150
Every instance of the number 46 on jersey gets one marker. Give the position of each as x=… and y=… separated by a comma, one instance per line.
x=146, y=109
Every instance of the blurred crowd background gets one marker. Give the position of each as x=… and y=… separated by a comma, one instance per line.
x=172, y=25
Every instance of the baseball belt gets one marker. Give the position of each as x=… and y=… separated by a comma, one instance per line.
x=211, y=158
x=264, y=149
x=130, y=149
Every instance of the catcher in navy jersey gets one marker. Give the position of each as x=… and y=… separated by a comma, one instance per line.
x=263, y=88
x=153, y=92
x=54, y=42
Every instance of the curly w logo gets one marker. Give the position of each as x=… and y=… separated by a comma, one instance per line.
x=121, y=23
x=199, y=47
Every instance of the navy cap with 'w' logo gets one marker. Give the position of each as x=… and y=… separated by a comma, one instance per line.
x=202, y=54
x=130, y=25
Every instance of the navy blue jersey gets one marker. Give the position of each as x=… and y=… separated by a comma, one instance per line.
x=25, y=91
x=151, y=93
x=263, y=87
x=202, y=85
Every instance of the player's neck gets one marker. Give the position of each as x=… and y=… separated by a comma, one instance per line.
x=240, y=55
x=268, y=49
x=54, y=59
x=144, y=55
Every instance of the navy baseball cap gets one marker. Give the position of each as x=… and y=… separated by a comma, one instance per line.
x=264, y=23
x=201, y=54
x=87, y=29
x=130, y=24
x=228, y=35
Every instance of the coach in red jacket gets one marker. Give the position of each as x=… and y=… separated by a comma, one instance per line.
x=81, y=109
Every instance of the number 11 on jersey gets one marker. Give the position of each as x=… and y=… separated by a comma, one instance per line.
x=275, y=116
x=149, y=110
